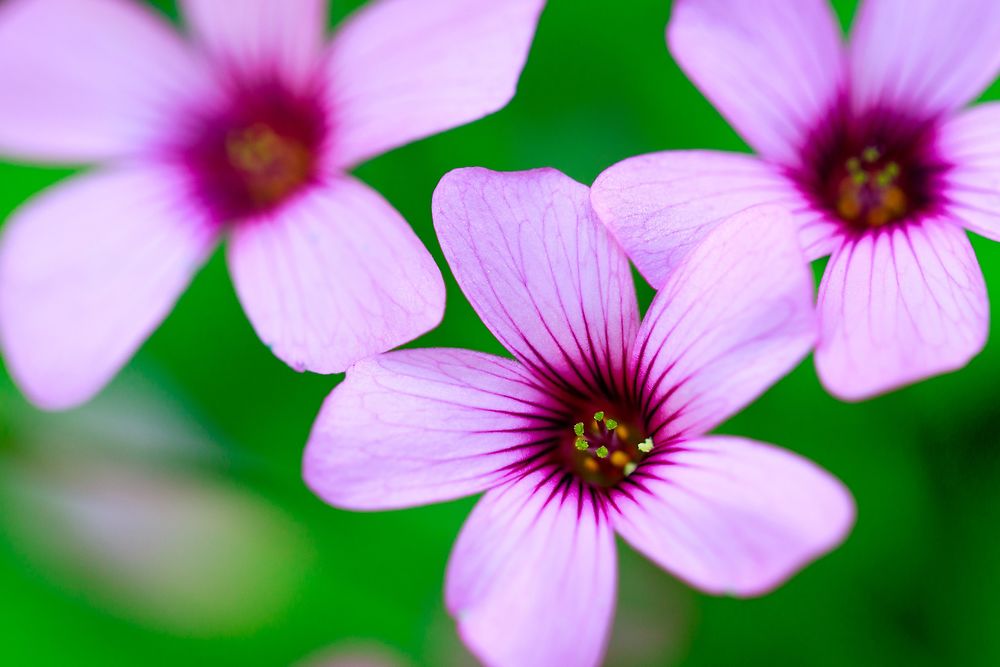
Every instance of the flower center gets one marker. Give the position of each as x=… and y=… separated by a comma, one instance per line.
x=257, y=151
x=872, y=170
x=271, y=166
x=870, y=190
x=603, y=451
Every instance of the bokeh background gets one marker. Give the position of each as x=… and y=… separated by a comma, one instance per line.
x=167, y=523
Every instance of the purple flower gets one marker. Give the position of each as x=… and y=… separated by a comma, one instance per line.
x=247, y=130
x=866, y=147
x=597, y=428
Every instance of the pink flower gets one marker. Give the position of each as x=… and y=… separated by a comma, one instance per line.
x=597, y=428
x=868, y=149
x=246, y=129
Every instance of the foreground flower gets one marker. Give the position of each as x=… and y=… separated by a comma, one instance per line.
x=247, y=130
x=598, y=426
x=866, y=148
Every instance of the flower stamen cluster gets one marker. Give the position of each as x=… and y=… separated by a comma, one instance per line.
x=605, y=450
x=870, y=191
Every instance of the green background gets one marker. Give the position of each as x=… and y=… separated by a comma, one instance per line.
x=210, y=418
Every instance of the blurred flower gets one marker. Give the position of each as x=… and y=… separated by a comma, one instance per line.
x=182, y=553
x=104, y=510
x=246, y=131
x=868, y=151
x=599, y=428
x=355, y=654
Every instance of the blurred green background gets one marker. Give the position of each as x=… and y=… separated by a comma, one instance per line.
x=167, y=522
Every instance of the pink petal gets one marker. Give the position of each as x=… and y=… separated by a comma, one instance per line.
x=970, y=142
x=85, y=80
x=401, y=70
x=334, y=277
x=532, y=577
x=732, y=516
x=419, y=426
x=544, y=275
x=661, y=205
x=263, y=36
x=925, y=58
x=87, y=271
x=731, y=321
x=900, y=306
x=772, y=70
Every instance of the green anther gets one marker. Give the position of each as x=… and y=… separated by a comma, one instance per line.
x=578, y=428
x=599, y=416
x=612, y=424
x=854, y=165
x=859, y=177
x=887, y=175
x=581, y=443
x=629, y=468
x=602, y=452
x=646, y=446
x=870, y=154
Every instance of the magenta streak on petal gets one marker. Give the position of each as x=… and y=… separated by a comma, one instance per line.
x=549, y=445
x=260, y=148
x=555, y=485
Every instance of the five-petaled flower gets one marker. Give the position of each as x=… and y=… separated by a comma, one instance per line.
x=598, y=426
x=865, y=146
x=246, y=130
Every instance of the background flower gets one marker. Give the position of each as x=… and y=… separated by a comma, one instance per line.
x=245, y=129
x=866, y=145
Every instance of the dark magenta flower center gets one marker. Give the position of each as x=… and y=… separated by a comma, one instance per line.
x=873, y=170
x=257, y=151
x=602, y=449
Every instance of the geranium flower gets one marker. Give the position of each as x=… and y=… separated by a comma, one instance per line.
x=245, y=129
x=869, y=150
x=598, y=426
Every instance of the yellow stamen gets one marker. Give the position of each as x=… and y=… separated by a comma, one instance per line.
x=619, y=459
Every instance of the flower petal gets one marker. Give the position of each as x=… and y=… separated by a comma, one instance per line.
x=660, y=206
x=731, y=321
x=731, y=516
x=925, y=58
x=532, y=577
x=898, y=307
x=263, y=36
x=86, y=80
x=771, y=70
x=401, y=70
x=87, y=271
x=970, y=143
x=544, y=275
x=419, y=426
x=334, y=277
